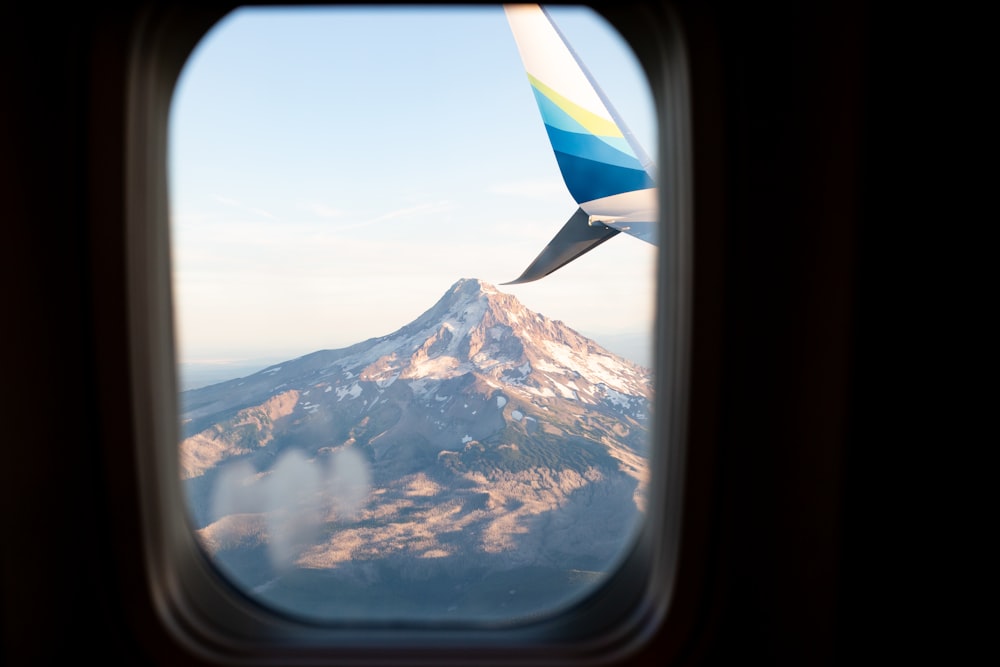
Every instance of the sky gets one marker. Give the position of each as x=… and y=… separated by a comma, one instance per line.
x=333, y=172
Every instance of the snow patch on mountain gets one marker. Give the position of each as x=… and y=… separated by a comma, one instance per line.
x=354, y=390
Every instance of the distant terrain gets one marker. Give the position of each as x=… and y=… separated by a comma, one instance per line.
x=482, y=462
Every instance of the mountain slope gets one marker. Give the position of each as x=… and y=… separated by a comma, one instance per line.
x=486, y=440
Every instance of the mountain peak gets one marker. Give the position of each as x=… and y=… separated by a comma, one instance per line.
x=472, y=287
x=467, y=302
x=468, y=290
x=474, y=331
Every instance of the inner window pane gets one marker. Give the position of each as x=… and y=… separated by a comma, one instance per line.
x=374, y=426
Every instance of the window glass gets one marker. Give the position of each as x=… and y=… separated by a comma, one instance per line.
x=373, y=425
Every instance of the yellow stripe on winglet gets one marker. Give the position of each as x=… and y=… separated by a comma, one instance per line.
x=593, y=123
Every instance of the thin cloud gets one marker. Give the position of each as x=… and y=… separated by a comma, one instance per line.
x=425, y=208
x=533, y=189
x=324, y=211
x=243, y=207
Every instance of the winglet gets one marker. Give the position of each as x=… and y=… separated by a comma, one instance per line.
x=576, y=237
x=597, y=155
x=602, y=165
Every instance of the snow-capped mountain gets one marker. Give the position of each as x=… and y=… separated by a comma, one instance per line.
x=487, y=440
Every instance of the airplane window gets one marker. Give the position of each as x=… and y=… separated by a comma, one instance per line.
x=412, y=387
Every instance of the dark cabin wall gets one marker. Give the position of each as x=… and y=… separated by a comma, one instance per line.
x=58, y=577
x=792, y=110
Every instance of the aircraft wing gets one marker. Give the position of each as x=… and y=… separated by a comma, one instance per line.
x=602, y=165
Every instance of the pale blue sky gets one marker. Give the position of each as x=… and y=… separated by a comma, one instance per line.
x=333, y=172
